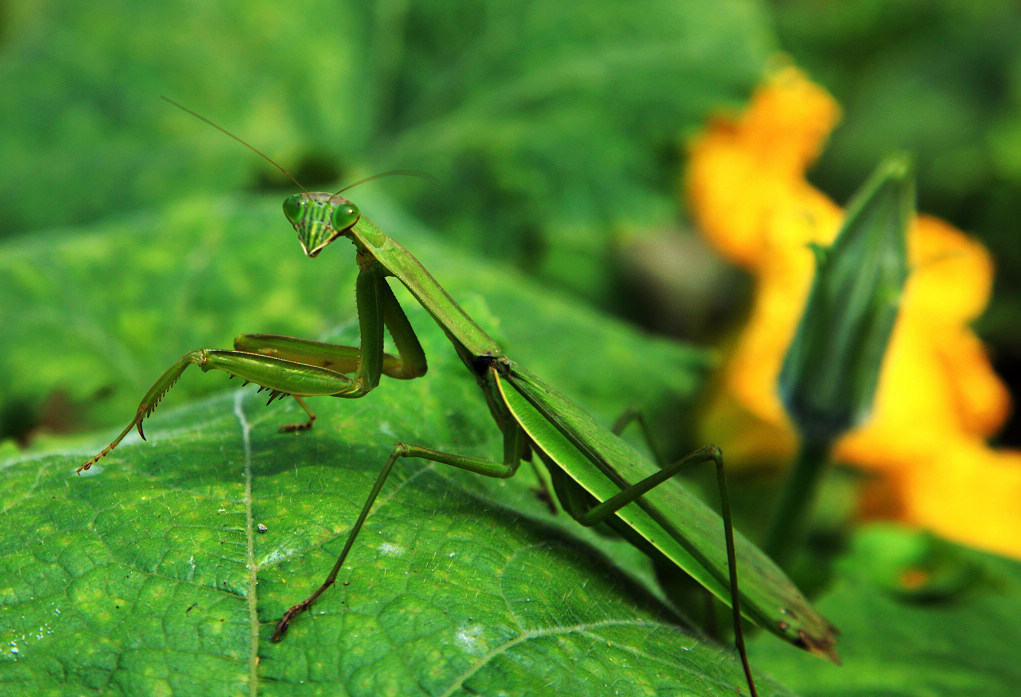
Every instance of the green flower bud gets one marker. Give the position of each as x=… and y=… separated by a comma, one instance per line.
x=831, y=369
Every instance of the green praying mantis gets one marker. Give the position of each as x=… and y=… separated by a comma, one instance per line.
x=597, y=477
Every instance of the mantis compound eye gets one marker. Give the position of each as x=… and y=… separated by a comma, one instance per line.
x=292, y=207
x=344, y=215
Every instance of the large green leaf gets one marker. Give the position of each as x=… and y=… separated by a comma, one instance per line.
x=149, y=575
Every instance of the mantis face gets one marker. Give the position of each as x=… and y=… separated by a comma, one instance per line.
x=319, y=218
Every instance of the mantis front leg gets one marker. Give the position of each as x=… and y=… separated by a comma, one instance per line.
x=302, y=367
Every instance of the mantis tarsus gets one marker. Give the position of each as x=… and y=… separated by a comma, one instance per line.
x=596, y=476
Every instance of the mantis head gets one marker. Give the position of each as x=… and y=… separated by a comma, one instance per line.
x=319, y=218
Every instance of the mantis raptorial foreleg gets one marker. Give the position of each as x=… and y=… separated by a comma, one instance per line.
x=303, y=367
x=280, y=376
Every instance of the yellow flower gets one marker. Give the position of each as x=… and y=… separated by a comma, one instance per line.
x=938, y=397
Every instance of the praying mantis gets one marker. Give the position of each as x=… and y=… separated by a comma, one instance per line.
x=598, y=478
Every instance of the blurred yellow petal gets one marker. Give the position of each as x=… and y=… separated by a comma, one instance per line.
x=739, y=169
x=953, y=274
x=966, y=492
x=971, y=495
x=938, y=397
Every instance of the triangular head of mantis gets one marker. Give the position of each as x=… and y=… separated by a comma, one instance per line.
x=319, y=218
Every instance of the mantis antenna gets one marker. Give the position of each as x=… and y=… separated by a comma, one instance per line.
x=389, y=173
x=225, y=131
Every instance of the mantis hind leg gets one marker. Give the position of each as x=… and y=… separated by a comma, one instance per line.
x=710, y=453
x=635, y=415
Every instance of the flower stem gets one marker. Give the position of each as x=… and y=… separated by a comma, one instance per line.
x=796, y=502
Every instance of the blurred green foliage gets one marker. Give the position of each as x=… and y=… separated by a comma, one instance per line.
x=551, y=127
